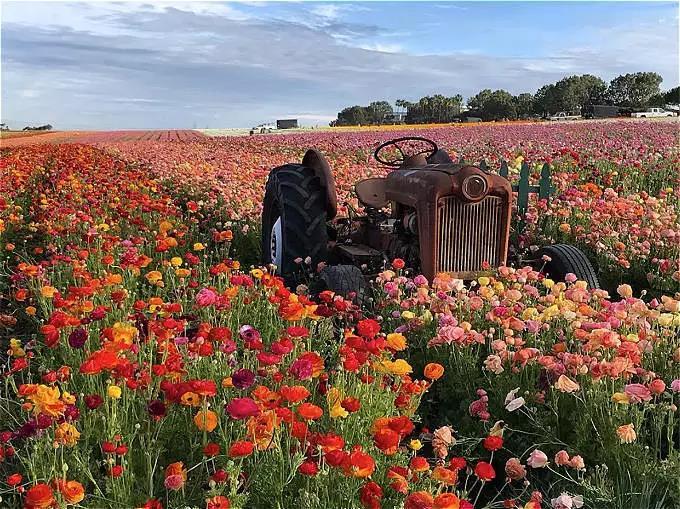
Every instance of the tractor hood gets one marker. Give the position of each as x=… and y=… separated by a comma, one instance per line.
x=425, y=188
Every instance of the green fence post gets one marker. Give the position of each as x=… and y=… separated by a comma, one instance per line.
x=504, y=169
x=522, y=197
x=545, y=184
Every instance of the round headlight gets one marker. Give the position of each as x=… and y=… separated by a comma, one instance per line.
x=474, y=187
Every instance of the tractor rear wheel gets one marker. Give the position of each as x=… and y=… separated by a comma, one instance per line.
x=293, y=220
x=565, y=259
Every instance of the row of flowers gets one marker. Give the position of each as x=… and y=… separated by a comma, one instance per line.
x=143, y=368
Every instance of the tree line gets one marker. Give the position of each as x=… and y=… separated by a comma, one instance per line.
x=632, y=92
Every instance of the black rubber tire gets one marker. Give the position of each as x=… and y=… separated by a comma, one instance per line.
x=566, y=258
x=296, y=195
x=345, y=279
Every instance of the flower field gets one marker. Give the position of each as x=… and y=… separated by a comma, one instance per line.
x=147, y=361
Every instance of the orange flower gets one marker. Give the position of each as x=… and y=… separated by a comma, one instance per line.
x=39, y=496
x=66, y=434
x=359, y=464
x=46, y=401
x=294, y=394
x=446, y=501
x=72, y=491
x=241, y=449
x=433, y=371
x=444, y=475
x=626, y=433
x=206, y=420
x=309, y=411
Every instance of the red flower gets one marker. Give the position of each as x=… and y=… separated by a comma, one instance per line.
x=211, y=449
x=368, y=328
x=419, y=500
x=241, y=449
x=217, y=502
x=351, y=404
x=485, y=471
x=309, y=468
x=336, y=457
x=14, y=479
x=386, y=440
x=39, y=496
x=493, y=443
x=398, y=263
x=242, y=408
x=370, y=495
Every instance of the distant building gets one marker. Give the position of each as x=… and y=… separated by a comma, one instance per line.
x=289, y=123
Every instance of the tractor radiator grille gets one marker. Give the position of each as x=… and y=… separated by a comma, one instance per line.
x=469, y=234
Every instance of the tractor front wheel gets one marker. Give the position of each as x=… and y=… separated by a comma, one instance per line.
x=293, y=220
x=565, y=259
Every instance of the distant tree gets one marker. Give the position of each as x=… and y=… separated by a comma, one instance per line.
x=500, y=105
x=634, y=90
x=354, y=115
x=476, y=102
x=546, y=100
x=672, y=96
x=524, y=105
x=379, y=112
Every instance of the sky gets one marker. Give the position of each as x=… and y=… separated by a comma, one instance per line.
x=217, y=65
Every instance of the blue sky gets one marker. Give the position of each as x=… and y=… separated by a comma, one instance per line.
x=215, y=64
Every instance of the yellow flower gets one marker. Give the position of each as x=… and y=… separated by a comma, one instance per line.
x=396, y=341
x=399, y=367
x=483, y=281
x=124, y=333
x=415, y=444
x=257, y=273
x=66, y=434
x=165, y=226
x=198, y=246
x=621, y=398
x=154, y=277
x=548, y=283
x=408, y=315
x=114, y=392
x=338, y=411
x=48, y=291
x=103, y=227
x=68, y=398
x=15, y=347
x=175, y=261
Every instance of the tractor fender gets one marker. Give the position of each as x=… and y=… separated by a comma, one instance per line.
x=315, y=160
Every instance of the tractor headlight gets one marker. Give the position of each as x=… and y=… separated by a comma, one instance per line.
x=474, y=187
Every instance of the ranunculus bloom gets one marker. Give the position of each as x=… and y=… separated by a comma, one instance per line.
x=626, y=433
x=370, y=495
x=657, y=386
x=77, y=338
x=243, y=378
x=309, y=412
x=566, y=501
x=217, y=502
x=206, y=420
x=433, y=371
x=493, y=443
x=446, y=501
x=637, y=393
x=242, y=408
x=241, y=449
x=72, y=491
x=309, y=468
x=485, y=471
x=419, y=500
x=206, y=297
x=39, y=496
x=515, y=470
x=566, y=384
x=537, y=459
x=562, y=458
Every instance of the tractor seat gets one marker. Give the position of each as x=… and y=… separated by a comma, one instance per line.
x=371, y=192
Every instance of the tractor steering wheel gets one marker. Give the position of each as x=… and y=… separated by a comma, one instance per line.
x=405, y=147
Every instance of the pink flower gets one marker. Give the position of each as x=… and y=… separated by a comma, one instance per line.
x=174, y=482
x=577, y=463
x=675, y=385
x=206, y=297
x=562, y=458
x=242, y=408
x=301, y=369
x=637, y=393
x=566, y=501
x=537, y=459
